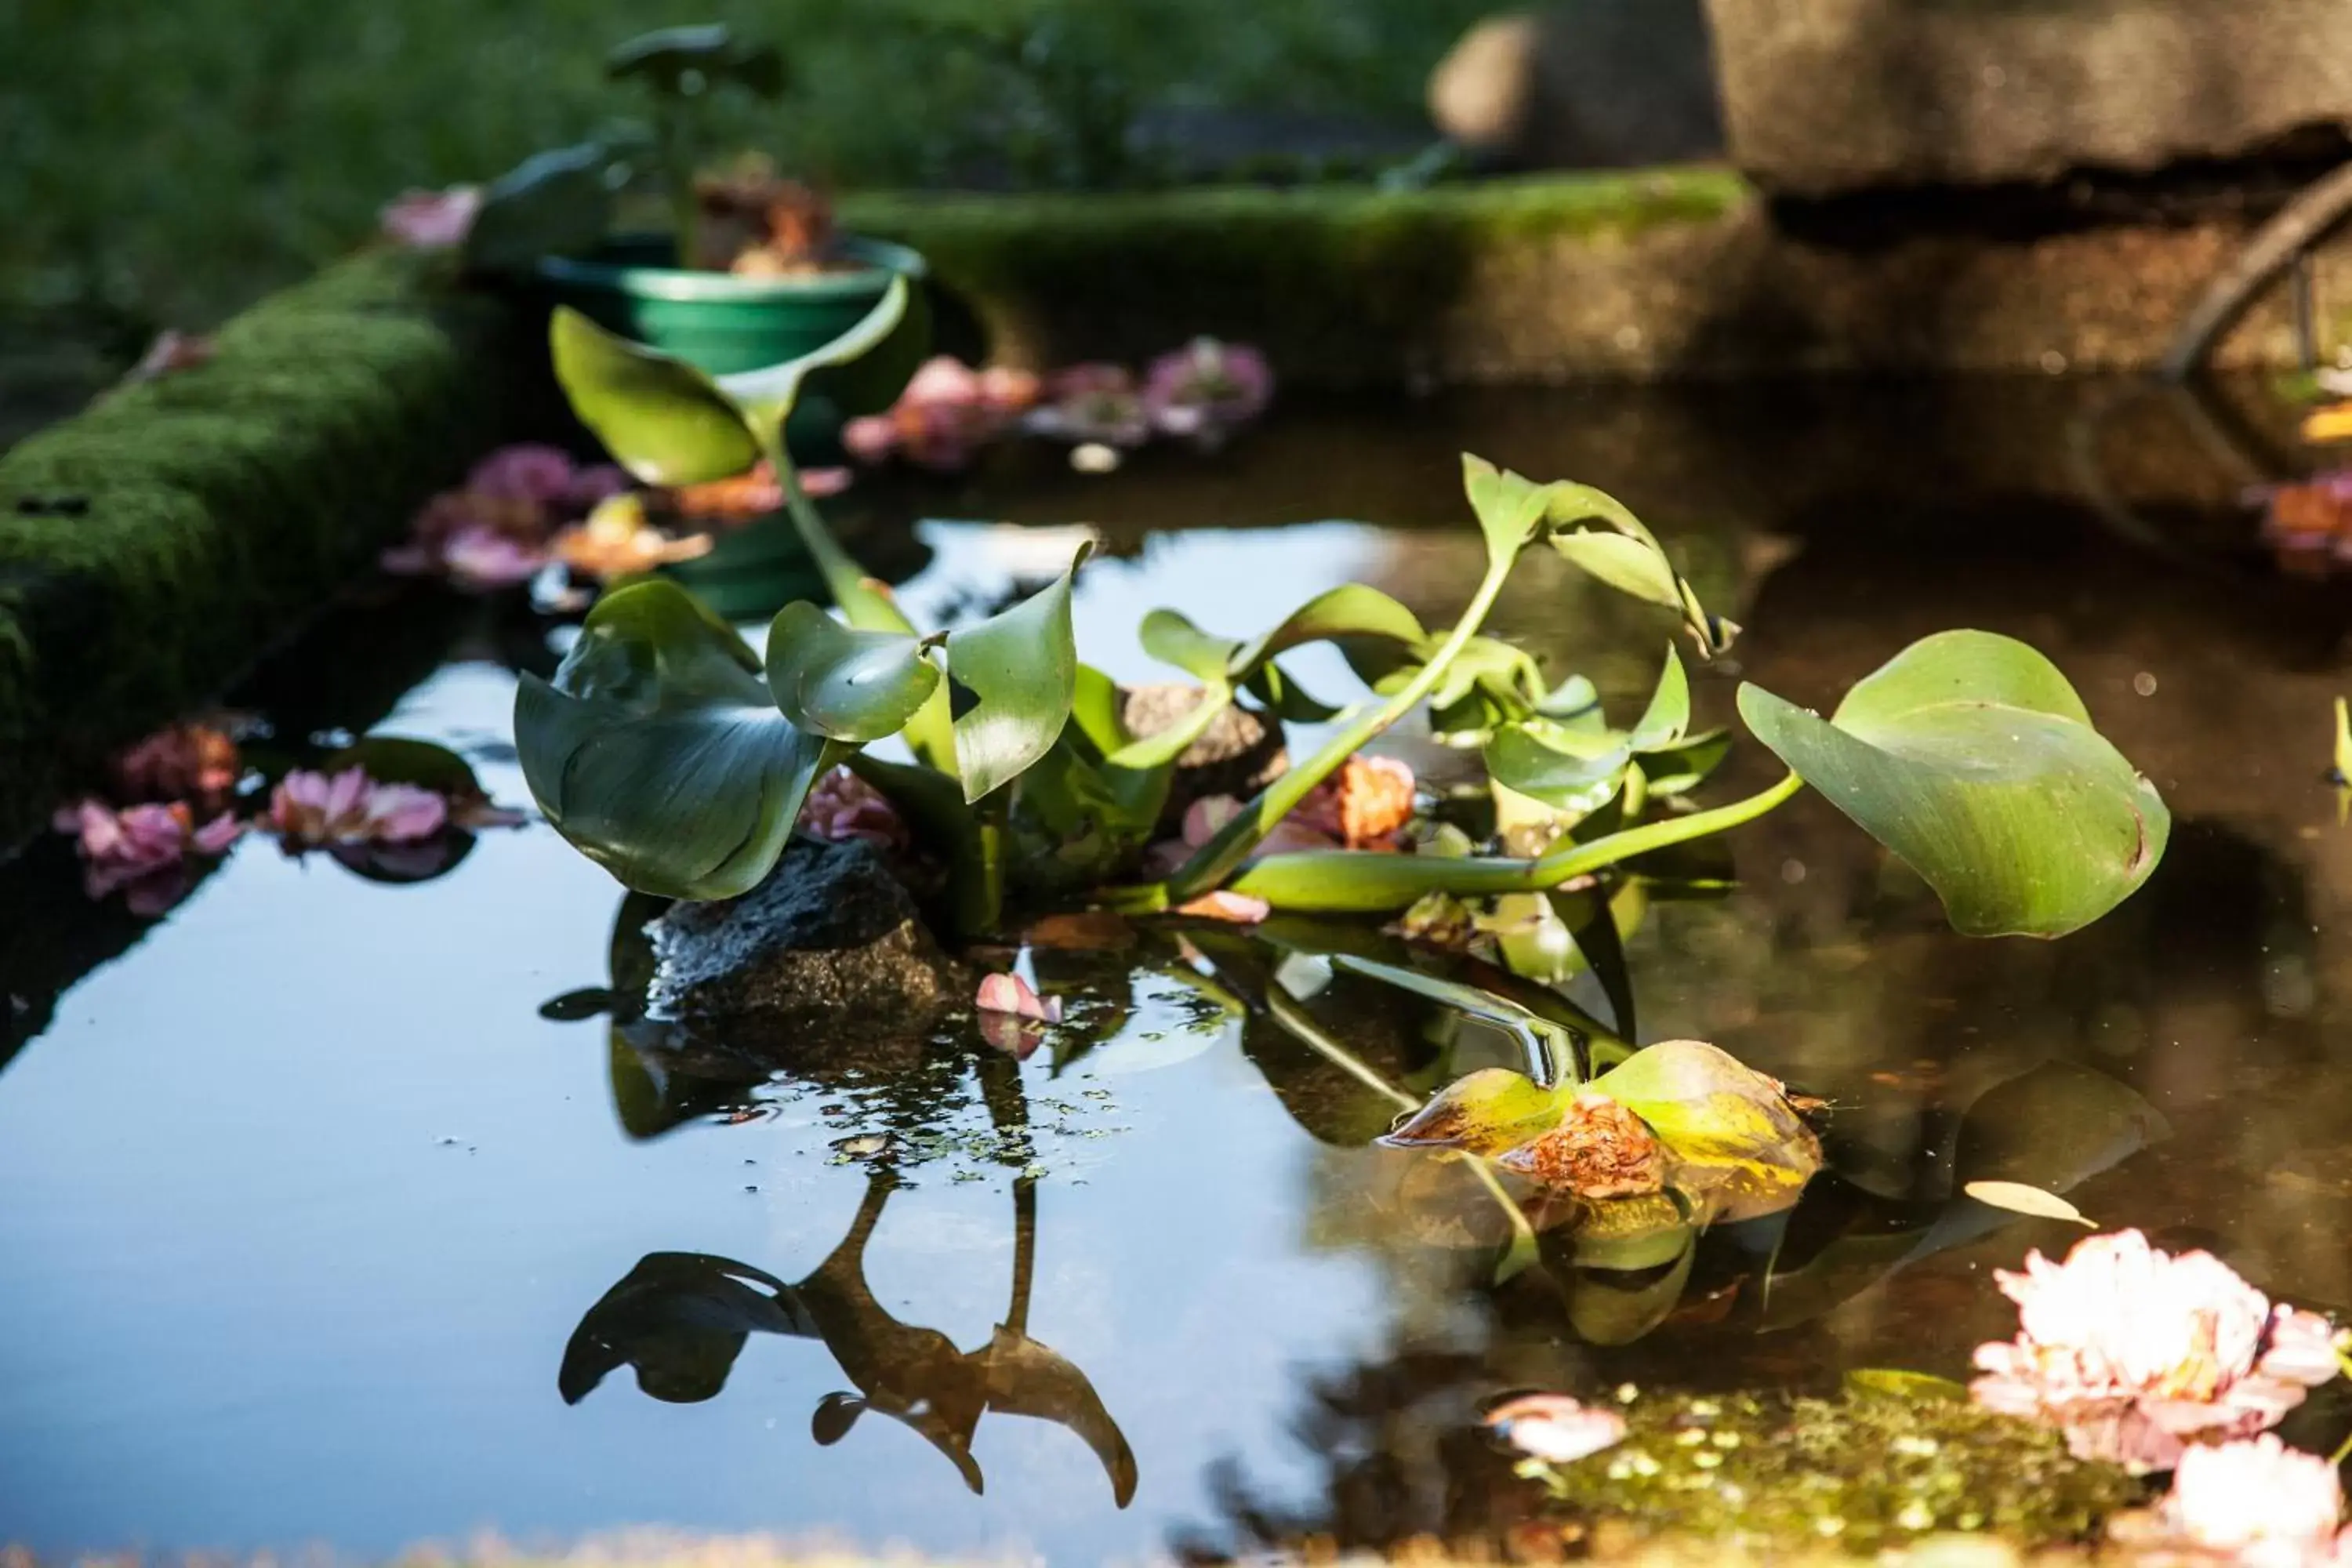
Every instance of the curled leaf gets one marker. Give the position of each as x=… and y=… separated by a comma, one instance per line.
x=1740, y=1149
x=1485, y=1112
x=845, y=685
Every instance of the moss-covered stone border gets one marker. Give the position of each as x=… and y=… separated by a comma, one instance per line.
x=152, y=546
x=1671, y=272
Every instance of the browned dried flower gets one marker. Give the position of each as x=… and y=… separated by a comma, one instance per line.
x=1599, y=1150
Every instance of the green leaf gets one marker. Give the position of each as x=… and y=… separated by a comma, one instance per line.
x=1286, y=699
x=845, y=685
x=1683, y=767
x=668, y=423
x=1510, y=510
x=662, y=419
x=1485, y=1112
x=1740, y=1149
x=659, y=752
x=1627, y=565
x=1518, y=760
x=1662, y=723
x=1971, y=757
x=1348, y=611
x=1170, y=638
x=1020, y=671
x=557, y=202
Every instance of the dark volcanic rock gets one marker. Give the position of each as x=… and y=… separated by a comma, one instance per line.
x=827, y=957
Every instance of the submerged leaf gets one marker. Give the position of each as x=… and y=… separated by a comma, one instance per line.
x=1487, y=1112
x=657, y=750
x=2018, y=1198
x=1739, y=1147
x=1971, y=758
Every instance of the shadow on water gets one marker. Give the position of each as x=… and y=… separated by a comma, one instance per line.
x=1287, y=1329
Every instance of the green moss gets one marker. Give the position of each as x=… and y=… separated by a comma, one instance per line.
x=1860, y=1472
x=152, y=546
x=1343, y=283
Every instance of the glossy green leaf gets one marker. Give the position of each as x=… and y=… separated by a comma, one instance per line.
x=1627, y=565
x=1485, y=1112
x=1019, y=671
x=1510, y=510
x=1685, y=765
x=1664, y=723
x=1518, y=760
x=1609, y=1308
x=1971, y=757
x=1172, y=639
x=657, y=750
x=662, y=419
x=845, y=685
x=1286, y=699
x=1348, y=611
x=860, y=372
x=557, y=202
x=1740, y=1149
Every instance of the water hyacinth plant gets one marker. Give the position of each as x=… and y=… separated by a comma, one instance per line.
x=670, y=752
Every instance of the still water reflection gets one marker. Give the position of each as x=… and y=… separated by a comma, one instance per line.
x=328, y=1225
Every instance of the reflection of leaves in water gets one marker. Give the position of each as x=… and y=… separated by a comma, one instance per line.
x=681, y=1320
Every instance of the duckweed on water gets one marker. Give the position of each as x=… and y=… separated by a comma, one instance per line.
x=1863, y=1471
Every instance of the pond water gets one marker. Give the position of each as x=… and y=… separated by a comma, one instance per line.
x=323, y=1232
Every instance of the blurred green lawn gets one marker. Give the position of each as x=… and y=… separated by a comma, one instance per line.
x=163, y=162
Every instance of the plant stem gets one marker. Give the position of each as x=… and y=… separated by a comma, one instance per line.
x=1217, y=859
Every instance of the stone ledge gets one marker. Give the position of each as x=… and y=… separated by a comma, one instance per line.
x=1659, y=274
x=154, y=546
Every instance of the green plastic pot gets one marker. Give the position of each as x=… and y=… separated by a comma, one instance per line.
x=722, y=324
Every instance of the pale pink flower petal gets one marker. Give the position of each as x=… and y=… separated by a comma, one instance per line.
x=842, y=806
x=1555, y=1428
x=215, y=838
x=401, y=813
x=432, y=220
x=870, y=439
x=1012, y=995
x=1240, y=909
x=822, y=482
x=483, y=561
x=310, y=811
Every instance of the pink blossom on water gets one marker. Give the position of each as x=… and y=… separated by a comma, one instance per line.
x=819, y=483
x=842, y=806
x=1207, y=387
x=527, y=470
x=1236, y=909
x=1092, y=403
x=432, y=220
x=483, y=560
x=2135, y=1351
x=2261, y=1502
x=314, y=810
x=1555, y=1428
x=139, y=844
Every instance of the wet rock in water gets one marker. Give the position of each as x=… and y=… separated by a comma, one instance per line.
x=825, y=962
x=1241, y=754
x=1583, y=84
x=1823, y=96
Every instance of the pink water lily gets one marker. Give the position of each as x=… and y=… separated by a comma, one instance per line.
x=483, y=560
x=2258, y=1502
x=1011, y=994
x=139, y=844
x=946, y=413
x=432, y=220
x=529, y=470
x=1555, y=1428
x=2135, y=1352
x=1206, y=388
x=315, y=810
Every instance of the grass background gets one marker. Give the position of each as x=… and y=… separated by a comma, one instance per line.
x=161, y=163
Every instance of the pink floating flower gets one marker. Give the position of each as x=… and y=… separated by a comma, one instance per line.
x=1011, y=994
x=2134, y=1351
x=432, y=220
x=1206, y=388
x=482, y=559
x=527, y=471
x=842, y=806
x=2261, y=1502
x=946, y=413
x=315, y=810
x=819, y=483
x=1555, y=1428
x=136, y=847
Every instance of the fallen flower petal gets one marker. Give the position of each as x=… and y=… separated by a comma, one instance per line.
x=754, y=493
x=481, y=561
x=819, y=483
x=617, y=541
x=1599, y=1150
x=136, y=847
x=1555, y=1428
x=1009, y=993
x=2135, y=1351
x=1240, y=909
x=842, y=806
